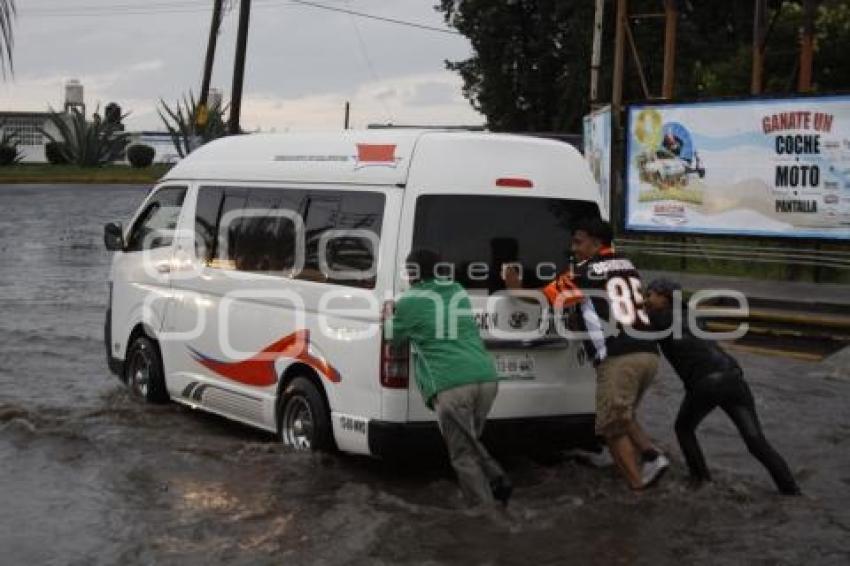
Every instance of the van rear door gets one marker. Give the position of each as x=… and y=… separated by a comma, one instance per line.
x=543, y=373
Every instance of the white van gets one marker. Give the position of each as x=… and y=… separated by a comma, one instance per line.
x=252, y=280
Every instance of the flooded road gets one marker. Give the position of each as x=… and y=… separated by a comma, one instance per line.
x=89, y=476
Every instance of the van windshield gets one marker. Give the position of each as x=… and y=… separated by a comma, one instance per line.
x=478, y=234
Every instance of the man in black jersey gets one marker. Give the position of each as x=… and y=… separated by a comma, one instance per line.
x=606, y=289
x=712, y=379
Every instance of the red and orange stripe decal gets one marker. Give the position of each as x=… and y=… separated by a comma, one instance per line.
x=259, y=370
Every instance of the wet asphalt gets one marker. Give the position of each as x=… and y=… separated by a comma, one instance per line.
x=90, y=476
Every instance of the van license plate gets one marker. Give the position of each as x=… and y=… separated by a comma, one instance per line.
x=515, y=366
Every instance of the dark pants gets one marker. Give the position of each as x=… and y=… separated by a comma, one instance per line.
x=462, y=413
x=730, y=392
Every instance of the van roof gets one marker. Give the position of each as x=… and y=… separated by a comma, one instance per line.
x=442, y=160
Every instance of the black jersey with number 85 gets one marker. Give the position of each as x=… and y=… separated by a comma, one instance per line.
x=607, y=289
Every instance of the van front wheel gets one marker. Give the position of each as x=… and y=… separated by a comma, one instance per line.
x=304, y=419
x=144, y=374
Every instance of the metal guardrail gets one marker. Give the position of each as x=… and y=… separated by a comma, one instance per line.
x=835, y=259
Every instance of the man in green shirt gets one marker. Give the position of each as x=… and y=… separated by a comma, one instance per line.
x=454, y=372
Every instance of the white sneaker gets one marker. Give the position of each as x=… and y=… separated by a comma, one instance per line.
x=653, y=470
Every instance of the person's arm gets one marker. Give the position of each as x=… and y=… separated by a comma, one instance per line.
x=564, y=290
x=564, y=286
x=661, y=320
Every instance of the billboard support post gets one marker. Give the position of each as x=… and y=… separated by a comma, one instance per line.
x=671, y=16
x=619, y=56
x=807, y=40
x=596, y=55
x=759, y=25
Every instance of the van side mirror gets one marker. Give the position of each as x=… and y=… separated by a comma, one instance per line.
x=113, y=236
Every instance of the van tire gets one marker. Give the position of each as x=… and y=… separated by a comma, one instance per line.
x=143, y=373
x=305, y=423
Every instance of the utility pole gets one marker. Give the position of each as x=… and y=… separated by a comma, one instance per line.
x=239, y=66
x=619, y=56
x=759, y=25
x=211, y=43
x=671, y=17
x=807, y=46
x=346, y=124
x=596, y=56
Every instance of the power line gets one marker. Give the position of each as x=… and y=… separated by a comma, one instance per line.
x=374, y=17
x=194, y=6
x=80, y=8
x=375, y=77
x=147, y=8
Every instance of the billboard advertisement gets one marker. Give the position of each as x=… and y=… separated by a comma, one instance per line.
x=761, y=167
x=597, y=150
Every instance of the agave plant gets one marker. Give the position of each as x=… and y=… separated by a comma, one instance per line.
x=84, y=143
x=10, y=153
x=190, y=125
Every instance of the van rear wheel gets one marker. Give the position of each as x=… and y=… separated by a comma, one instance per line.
x=304, y=420
x=144, y=374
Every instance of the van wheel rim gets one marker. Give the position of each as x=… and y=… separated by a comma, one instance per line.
x=298, y=424
x=140, y=373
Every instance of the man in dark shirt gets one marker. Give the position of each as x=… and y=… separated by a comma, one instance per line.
x=606, y=288
x=712, y=378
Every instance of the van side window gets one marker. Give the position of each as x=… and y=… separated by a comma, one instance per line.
x=347, y=227
x=206, y=221
x=265, y=236
x=154, y=226
x=254, y=228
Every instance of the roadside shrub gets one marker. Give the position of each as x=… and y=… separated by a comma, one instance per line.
x=10, y=153
x=54, y=154
x=84, y=143
x=191, y=125
x=140, y=155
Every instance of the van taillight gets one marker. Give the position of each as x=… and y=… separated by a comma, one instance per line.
x=395, y=360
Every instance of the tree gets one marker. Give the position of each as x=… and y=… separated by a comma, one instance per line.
x=84, y=143
x=7, y=14
x=531, y=58
x=112, y=116
x=530, y=69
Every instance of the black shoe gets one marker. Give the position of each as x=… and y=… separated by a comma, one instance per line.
x=502, y=490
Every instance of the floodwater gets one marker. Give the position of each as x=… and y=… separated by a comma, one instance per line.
x=89, y=476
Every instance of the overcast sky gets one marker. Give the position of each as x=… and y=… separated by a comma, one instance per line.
x=303, y=63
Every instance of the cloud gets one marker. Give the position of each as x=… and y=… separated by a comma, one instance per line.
x=433, y=93
x=38, y=92
x=303, y=64
x=372, y=103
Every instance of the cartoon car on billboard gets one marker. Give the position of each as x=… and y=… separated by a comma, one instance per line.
x=670, y=162
x=662, y=167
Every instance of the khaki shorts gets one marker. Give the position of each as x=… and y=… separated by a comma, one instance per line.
x=621, y=382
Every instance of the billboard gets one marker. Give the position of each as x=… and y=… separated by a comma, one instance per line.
x=597, y=150
x=761, y=167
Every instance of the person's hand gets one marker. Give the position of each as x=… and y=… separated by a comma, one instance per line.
x=511, y=277
x=387, y=310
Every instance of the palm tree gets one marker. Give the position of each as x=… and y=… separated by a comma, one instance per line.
x=7, y=14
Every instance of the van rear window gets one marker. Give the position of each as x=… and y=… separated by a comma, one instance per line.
x=478, y=234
